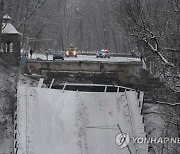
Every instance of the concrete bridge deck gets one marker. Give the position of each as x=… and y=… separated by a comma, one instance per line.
x=63, y=121
x=85, y=63
x=88, y=69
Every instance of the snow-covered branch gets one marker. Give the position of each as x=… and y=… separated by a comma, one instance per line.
x=156, y=48
x=171, y=49
x=31, y=13
x=35, y=8
x=166, y=103
x=153, y=48
x=177, y=6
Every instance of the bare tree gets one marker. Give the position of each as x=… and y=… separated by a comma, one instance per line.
x=154, y=25
x=1, y=17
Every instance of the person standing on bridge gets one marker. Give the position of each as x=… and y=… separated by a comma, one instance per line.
x=46, y=52
x=31, y=52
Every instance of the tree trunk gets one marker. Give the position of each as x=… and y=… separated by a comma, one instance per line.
x=1, y=18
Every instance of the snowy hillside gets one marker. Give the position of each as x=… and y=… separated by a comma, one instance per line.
x=8, y=76
x=7, y=101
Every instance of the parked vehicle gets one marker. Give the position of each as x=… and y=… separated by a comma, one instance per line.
x=57, y=55
x=71, y=52
x=103, y=53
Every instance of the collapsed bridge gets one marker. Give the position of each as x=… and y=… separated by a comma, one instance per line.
x=65, y=121
x=121, y=71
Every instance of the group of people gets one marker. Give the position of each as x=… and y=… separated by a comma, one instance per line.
x=46, y=52
x=31, y=51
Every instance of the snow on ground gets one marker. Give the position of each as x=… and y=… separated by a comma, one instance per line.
x=7, y=101
x=8, y=77
x=75, y=122
x=160, y=122
x=88, y=58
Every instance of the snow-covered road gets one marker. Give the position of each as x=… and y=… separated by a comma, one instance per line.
x=88, y=58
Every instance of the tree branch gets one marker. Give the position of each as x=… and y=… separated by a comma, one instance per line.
x=166, y=103
x=171, y=49
x=156, y=48
x=31, y=13
x=35, y=8
x=178, y=7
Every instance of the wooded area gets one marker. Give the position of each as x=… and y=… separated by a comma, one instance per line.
x=88, y=25
x=155, y=27
x=149, y=29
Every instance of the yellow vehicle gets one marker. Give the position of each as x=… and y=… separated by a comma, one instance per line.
x=71, y=52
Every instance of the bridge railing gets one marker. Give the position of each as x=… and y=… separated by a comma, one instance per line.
x=113, y=54
x=93, y=87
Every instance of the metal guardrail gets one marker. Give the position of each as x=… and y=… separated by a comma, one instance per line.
x=64, y=85
x=113, y=54
x=15, y=132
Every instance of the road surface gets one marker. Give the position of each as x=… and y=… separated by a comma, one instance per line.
x=62, y=121
x=87, y=58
